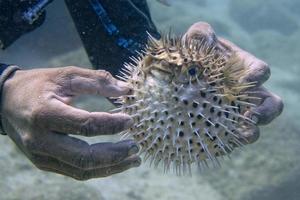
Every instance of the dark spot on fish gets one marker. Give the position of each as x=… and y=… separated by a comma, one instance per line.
x=191, y=115
x=220, y=102
x=195, y=105
x=232, y=103
x=226, y=113
x=208, y=123
x=203, y=94
x=215, y=98
x=199, y=116
x=181, y=133
x=186, y=102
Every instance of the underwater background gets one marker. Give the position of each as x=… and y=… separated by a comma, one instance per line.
x=266, y=170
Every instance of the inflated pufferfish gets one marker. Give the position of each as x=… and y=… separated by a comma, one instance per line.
x=187, y=102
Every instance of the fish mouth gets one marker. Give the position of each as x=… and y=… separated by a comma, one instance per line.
x=160, y=76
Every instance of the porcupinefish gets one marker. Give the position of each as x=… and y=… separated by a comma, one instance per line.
x=187, y=102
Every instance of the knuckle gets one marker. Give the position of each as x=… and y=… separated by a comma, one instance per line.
x=265, y=70
x=202, y=30
x=88, y=127
x=253, y=136
x=37, y=115
x=71, y=69
x=104, y=76
x=200, y=27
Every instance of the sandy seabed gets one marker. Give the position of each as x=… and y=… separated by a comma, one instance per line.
x=266, y=170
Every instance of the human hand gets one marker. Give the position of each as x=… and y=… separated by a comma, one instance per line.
x=270, y=105
x=37, y=116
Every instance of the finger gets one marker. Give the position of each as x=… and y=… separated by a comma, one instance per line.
x=64, y=118
x=53, y=165
x=270, y=107
x=259, y=71
x=77, y=81
x=80, y=154
x=201, y=31
x=249, y=134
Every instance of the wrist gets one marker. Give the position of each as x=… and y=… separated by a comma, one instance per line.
x=5, y=73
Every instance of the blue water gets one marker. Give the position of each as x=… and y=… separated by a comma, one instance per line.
x=266, y=170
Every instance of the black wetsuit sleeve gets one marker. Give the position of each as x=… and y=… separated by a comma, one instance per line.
x=112, y=31
x=11, y=24
x=2, y=67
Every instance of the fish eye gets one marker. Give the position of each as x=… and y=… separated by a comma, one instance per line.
x=192, y=71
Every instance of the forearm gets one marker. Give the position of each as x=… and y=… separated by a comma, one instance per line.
x=5, y=72
x=119, y=30
x=46, y=139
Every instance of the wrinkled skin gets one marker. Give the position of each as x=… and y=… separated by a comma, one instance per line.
x=37, y=116
x=270, y=106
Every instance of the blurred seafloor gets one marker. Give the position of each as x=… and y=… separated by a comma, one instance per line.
x=266, y=170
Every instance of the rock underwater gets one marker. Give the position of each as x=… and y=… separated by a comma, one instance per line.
x=188, y=102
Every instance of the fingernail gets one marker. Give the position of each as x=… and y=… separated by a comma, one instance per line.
x=128, y=123
x=133, y=150
x=251, y=116
x=251, y=134
x=124, y=87
x=254, y=118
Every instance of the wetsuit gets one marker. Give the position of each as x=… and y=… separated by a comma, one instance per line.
x=111, y=30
